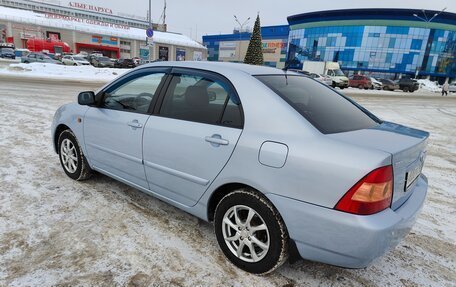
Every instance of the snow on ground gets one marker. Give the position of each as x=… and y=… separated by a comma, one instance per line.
x=55, y=231
x=61, y=72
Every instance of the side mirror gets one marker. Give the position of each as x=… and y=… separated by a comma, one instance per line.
x=86, y=98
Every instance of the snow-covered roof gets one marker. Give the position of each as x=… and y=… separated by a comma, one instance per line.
x=33, y=18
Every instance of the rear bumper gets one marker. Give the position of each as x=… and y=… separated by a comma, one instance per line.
x=348, y=240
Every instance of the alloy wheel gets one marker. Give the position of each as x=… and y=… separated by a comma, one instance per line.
x=245, y=233
x=69, y=156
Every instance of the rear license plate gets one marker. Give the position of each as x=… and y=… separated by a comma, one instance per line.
x=413, y=174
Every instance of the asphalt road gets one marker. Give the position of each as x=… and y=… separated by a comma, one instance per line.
x=55, y=231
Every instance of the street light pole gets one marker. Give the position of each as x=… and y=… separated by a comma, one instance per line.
x=240, y=35
x=151, y=48
x=429, y=19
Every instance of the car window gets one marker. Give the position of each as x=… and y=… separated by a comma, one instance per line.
x=32, y=56
x=200, y=99
x=325, y=109
x=134, y=96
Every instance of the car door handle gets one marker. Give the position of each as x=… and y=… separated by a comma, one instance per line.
x=216, y=140
x=135, y=124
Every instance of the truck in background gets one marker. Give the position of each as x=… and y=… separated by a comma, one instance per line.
x=330, y=69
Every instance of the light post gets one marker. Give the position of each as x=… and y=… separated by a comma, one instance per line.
x=151, y=48
x=426, y=19
x=240, y=35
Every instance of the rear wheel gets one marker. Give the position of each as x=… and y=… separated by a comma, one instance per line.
x=361, y=87
x=251, y=232
x=405, y=89
x=71, y=157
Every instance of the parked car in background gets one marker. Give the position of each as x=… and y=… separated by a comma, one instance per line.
x=102, y=62
x=323, y=178
x=408, y=85
x=124, y=63
x=360, y=81
x=38, y=58
x=389, y=85
x=452, y=88
x=321, y=78
x=299, y=71
x=137, y=61
x=377, y=85
x=74, y=61
x=21, y=52
x=329, y=69
x=7, y=53
x=57, y=57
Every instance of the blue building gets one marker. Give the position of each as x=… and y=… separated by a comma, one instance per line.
x=385, y=42
x=233, y=47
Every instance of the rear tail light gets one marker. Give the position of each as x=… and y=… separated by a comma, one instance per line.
x=371, y=194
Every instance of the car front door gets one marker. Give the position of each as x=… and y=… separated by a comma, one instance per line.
x=113, y=130
x=191, y=135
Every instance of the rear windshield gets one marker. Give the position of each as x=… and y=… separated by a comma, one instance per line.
x=325, y=109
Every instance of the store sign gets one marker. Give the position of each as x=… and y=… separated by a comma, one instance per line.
x=104, y=40
x=180, y=54
x=271, y=47
x=227, y=49
x=55, y=36
x=26, y=36
x=89, y=7
x=197, y=56
x=163, y=53
x=87, y=21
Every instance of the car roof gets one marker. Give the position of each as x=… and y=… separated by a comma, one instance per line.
x=220, y=67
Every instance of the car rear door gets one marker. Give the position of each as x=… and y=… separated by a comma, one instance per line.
x=191, y=136
x=113, y=130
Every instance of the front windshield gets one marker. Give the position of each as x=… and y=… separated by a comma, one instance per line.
x=338, y=72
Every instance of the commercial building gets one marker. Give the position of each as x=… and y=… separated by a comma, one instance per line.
x=388, y=42
x=233, y=47
x=114, y=36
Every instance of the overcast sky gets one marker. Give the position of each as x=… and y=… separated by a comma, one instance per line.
x=200, y=17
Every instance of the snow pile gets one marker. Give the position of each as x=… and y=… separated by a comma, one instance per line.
x=62, y=72
x=428, y=85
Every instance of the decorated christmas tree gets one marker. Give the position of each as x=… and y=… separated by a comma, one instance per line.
x=254, y=54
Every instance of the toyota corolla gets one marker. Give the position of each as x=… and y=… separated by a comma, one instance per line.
x=280, y=163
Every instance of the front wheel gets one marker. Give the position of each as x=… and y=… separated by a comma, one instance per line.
x=251, y=232
x=71, y=157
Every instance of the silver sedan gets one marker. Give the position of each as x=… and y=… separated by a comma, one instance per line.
x=283, y=165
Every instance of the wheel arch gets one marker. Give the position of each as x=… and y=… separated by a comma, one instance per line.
x=225, y=189
x=58, y=130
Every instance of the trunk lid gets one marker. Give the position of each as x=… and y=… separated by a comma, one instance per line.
x=407, y=147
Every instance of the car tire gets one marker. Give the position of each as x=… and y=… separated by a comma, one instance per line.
x=361, y=87
x=268, y=244
x=75, y=64
x=405, y=89
x=334, y=85
x=73, y=161
x=26, y=62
